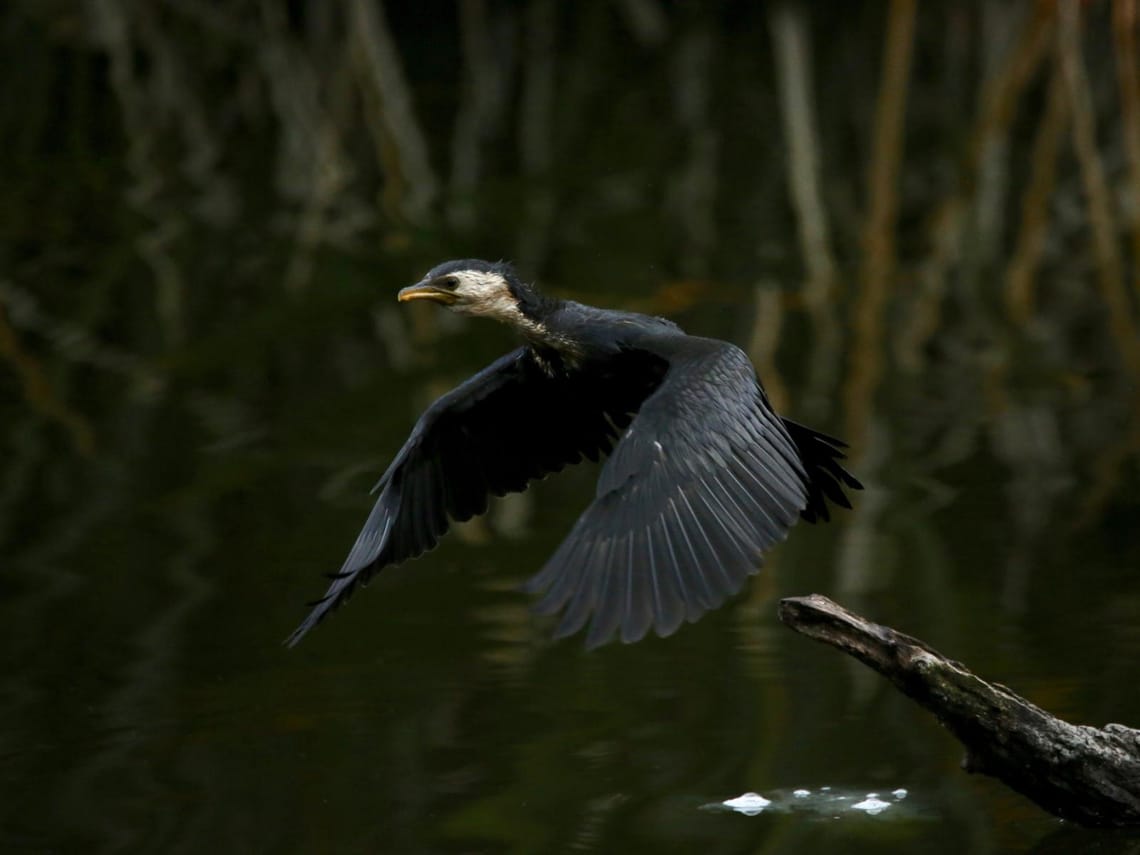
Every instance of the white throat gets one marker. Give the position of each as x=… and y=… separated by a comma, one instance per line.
x=487, y=295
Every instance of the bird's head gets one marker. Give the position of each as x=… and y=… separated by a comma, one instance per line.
x=474, y=287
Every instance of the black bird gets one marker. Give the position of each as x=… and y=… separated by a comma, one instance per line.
x=702, y=478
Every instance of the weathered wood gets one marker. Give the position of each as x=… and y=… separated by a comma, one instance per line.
x=1085, y=774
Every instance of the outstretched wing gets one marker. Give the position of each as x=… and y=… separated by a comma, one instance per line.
x=491, y=435
x=703, y=482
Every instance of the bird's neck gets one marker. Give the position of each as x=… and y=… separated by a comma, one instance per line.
x=535, y=307
x=552, y=336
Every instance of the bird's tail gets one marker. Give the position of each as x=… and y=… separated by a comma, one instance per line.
x=826, y=476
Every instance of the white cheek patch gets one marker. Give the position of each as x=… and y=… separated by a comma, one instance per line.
x=488, y=296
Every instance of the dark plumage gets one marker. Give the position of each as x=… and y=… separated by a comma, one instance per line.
x=702, y=478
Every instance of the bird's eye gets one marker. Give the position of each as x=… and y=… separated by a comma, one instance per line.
x=451, y=282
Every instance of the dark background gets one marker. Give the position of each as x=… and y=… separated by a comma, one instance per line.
x=921, y=220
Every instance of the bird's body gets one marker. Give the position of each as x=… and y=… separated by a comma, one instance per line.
x=702, y=478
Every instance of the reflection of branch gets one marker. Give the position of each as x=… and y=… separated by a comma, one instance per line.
x=1019, y=294
x=329, y=174
x=1124, y=28
x=215, y=20
x=1001, y=95
x=767, y=320
x=400, y=142
x=792, y=47
x=536, y=131
x=73, y=341
x=38, y=391
x=1085, y=774
x=480, y=109
x=646, y=20
x=791, y=42
x=691, y=195
x=878, y=269
x=1110, y=269
x=1027, y=438
x=113, y=25
x=1107, y=469
x=144, y=685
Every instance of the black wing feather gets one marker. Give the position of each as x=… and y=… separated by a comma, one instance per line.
x=821, y=454
x=705, y=480
x=509, y=424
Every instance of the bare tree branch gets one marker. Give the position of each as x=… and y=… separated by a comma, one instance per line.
x=1085, y=774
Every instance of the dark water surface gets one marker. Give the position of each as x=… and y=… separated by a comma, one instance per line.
x=206, y=213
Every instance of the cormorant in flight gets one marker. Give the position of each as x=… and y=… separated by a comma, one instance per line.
x=702, y=476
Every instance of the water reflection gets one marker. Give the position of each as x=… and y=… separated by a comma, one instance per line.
x=921, y=222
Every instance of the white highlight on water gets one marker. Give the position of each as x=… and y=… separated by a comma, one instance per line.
x=871, y=805
x=748, y=804
x=825, y=800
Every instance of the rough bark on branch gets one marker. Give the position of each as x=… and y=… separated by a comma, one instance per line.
x=1085, y=774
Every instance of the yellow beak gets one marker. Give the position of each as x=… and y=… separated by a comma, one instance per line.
x=426, y=291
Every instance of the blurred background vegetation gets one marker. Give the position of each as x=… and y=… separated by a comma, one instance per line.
x=922, y=221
